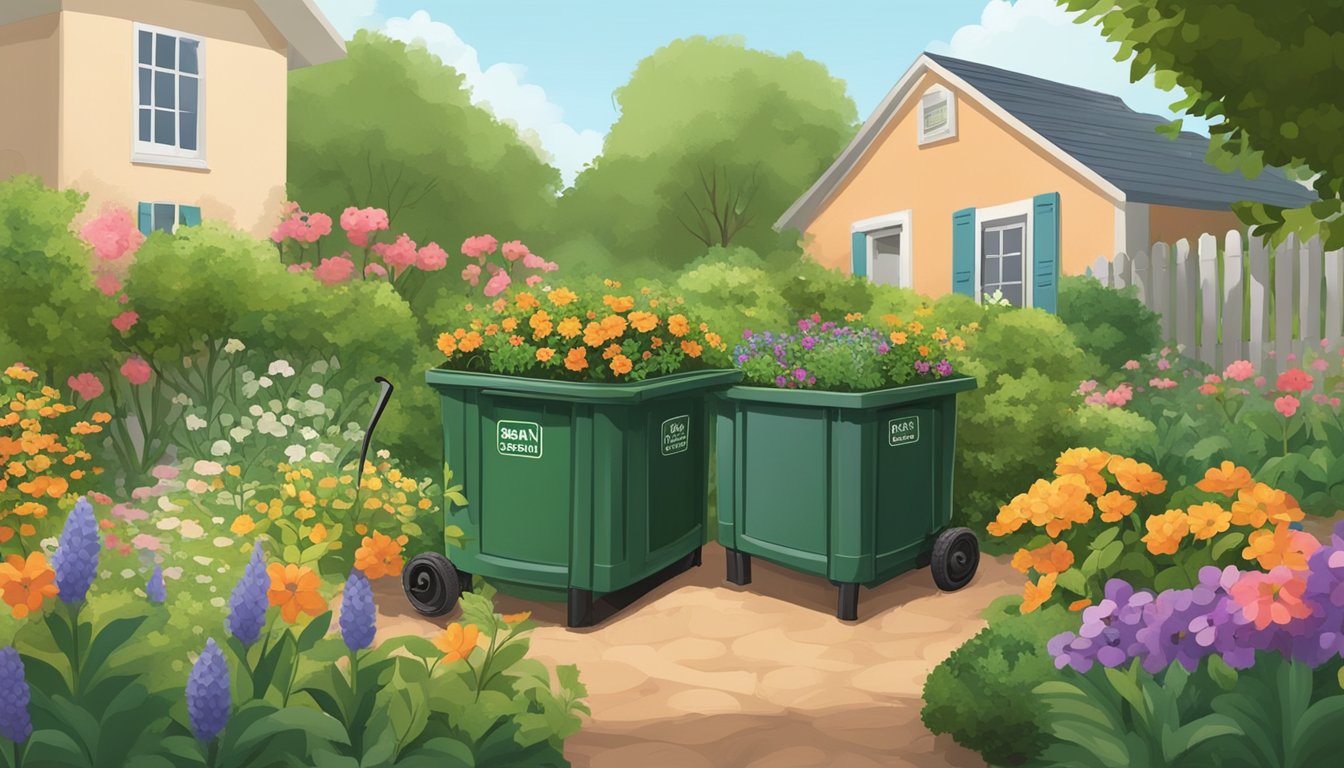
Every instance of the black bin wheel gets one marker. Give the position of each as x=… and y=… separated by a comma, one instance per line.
x=956, y=555
x=431, y=583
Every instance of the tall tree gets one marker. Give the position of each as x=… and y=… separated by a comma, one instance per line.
x=713, y=143
x=1268, y=74
x=391, y=126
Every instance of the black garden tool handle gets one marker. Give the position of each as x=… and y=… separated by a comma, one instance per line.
x=383, y=397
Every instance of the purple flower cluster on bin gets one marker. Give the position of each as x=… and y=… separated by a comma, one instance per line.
x=76, y=558
x=1230, y=613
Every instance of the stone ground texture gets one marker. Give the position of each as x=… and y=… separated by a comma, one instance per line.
x=702, y=673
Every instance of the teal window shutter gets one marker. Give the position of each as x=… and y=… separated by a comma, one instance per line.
x=1045, y=252
x=188, y=215
x=146, y=219
x=858, y=253
x=963, y=252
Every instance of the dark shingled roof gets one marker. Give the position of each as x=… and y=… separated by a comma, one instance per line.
x=1122, y=145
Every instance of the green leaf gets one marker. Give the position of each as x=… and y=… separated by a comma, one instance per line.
x=1206, y=448
x=316, y=630
x=1226, y=543
x=1173, y=577
x=298, y=719
x=1224, y=676
x=1108, y=556
x=267, y=665
x=54, y=748
x=1104, y=538
x=1072, y=580
x=105, y=643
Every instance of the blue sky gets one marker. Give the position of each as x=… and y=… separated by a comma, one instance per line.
x=550, y=66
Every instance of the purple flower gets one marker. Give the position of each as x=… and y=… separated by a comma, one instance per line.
x=922, y=366
x=154, y=587
x=944, y=368
x=742, y=359
x=799, y=374
x=357, y=612
x=248, y=603
x=883, y=348
x=208, y=693
x=15, y=723
x=780, y=381
x=746, y=334
x=804, y=324
x=809, y=343
x=76, y=558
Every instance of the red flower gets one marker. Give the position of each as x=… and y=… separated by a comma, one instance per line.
x=1294, y=380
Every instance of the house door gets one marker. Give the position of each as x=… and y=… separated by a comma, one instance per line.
x=888, y=256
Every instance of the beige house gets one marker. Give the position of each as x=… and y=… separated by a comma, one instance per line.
x=174, y=109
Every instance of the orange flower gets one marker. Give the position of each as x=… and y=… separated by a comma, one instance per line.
x=621, y=364
x=1226, y=479
x=643, y=321
x=491, y=329
x=378, y=556
x=577, y=359
x=1208, y=520
x=85, y=428
x=1281, y=546
x=243, y=525
x=1260, y=503
x=714, y=340
x=562, y=296
x=1067, y=501
x=611, y=351
x=544, y=355
x=457, y=642
x=1078, y=605
x=1165, y=532
x=619, y=303
x=526, y=300
x=678, y=325
x=470, y=342
x=318, y=534
x=613, y=326
x=541, y=324
x=294, y=591
x=55, y=487
x=1114, y=506
x=656, y=342
x=570, y=327
x=1087, y=462
x=923, y=350
x=691, y=348
x=509, y=324
x=898, y=337
x=1055, y=557
x=915, y=327
x=1136, y=477
x=593, y=335
x=516, y=618
x=101, y=417
x=515, y=341
x=1037, y=593
x=26, y=583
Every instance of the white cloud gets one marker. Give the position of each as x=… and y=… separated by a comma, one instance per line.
x=1039, y=38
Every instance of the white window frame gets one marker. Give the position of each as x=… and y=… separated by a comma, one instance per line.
x=987, y=217
x=949, y=129
x=877, y=224
x=148, y=152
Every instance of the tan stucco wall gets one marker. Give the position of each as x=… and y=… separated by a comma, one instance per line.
x=987, y=164
x=29, y=97
x=1167, y=224
x=244, y=87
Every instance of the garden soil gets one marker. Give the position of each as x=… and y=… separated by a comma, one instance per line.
x=700, y=673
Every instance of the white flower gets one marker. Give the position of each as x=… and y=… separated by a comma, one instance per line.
x=172, y=573
x=320, y=366
x=192, y=530
x=222, y=541
x=128, y=573
x=256, y=410
x=48, y=544
x=195, y=422
x=269, y=425
x=217, y=520
x=197, y=486
x=239, y=434
x=295, y=453
x=207, y=468
x=217, y=602
x=168, y=524
x=181, y=399
x=234, y=345
x=320, y=457
x=315, y=390
x=203, y=579
x=221, y=448
x=265, y=381
x=250, y=388
x=203, y=560
x=280, y=368
x=287, y=420
x=308, y=433
x=312, y=408
x=168, y=506
x=384, y=454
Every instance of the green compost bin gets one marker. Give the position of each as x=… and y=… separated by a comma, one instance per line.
x=852, y=487
x=587, y=492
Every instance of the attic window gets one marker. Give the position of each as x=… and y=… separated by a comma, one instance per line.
x=937, y=115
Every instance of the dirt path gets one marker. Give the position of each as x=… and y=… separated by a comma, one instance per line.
x=702, y=673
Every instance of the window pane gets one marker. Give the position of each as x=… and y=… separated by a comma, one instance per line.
x=164, y=214
x=146, y=120
x=146, y=80
x=163, y=90
x=935, y=115
x=989, y=243
x=188, y=61
x=989, y=274
x=1013, y=293
x=146, y=46
x=1012, y=240
x=1011, y=267
x=188, y=130
x=165, y=51
x=165, y=130
x=187, y=90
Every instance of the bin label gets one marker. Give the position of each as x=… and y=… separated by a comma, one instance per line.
x=519, y=438
x=903, y=431
x=676, y=435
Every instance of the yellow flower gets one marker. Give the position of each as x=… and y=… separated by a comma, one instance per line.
x=234, y=470
x=1226, y=479
x=915, y=327
x=318, y=534
x=21, y=372
x=1036, y=594
x=562, y=296
x=1208, y=520
x=1114, y=506
x=1086, y=462
x=243, y=525
x=924, y=311
x=1165, y=532
x=457, y=642
x=570, y=327
x=305, y=513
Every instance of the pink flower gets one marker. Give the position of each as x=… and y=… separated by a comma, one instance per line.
x=1320, y=398
x=1096, y=398
x=431, y=258
x=1163, y=364
x=1132, y=365
x=375, y=269
x=359, y=222
x=300, y=226
x=479, y=247
x=1208, y=389
x=1286, y=405
x=128, y=513
x=124, y=321
x=1240, y=370
x=99, y=498
x=533, y=280
x=146, y=542
x=86, y=385
x=107, y=284
x=1212, y=378
x=472, y=274
x=1320, y=364
x=136, y=371
x=1162, y=383
x=1292, y=356
x=1294, y=380
x=1116, y=398
x=1086, y=386
x=1166, y=351
x=336, y=269
x=304, y=267
x=1334, y=402
x=1259, y=381
x=111, y=541
x=1325, y=343
x=141, y=493
x=113, y=234
x=498, y=283
x=550, y=266
x=1271, y=598
x=533, y=261
x=514, y=250
x=164, y=472
x=123, y=298
x=398, y=255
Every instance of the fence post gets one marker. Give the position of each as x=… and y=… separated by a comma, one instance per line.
x=1101, y=269
x=1160, y=285
x=1259, y=342
x=1208, y=299
x=1285, y=291
x=1313, y=270
x=1141, y=278
x=1187, y=298
x=1233, y=344
x=1121, y=273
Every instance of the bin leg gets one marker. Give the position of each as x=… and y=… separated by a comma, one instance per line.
x=696, y=558
x=580, y=607
x=464, y=580
x=739, y=567
x=847, y=609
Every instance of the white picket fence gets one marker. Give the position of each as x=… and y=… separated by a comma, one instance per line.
x=1293, y=296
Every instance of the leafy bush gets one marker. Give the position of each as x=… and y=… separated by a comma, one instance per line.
x=1108, y=323
x=733, y=290
x=976, y=694
x=809, y=288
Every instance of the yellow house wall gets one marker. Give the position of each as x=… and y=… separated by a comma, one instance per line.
x=244, y=93
x=986, y=164
x=29, y=97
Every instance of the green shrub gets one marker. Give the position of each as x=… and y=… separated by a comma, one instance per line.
x=732, y=291
x=980, y=694
x=809, y=288
x=1110, y=324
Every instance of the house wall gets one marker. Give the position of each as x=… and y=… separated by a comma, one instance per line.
x=30, y=92
x=244, y=91
x=986, y=164
x=1167, y=224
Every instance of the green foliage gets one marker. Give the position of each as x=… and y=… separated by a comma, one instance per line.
x=733, y=290
x=1268, y=79
x=976, y=694
x=714, y=142
x=61, y=322
x=392, y=126
x=1110, y=324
